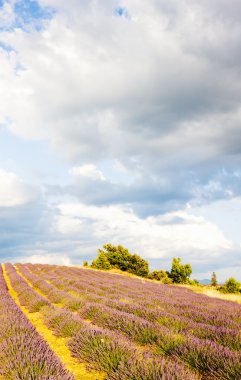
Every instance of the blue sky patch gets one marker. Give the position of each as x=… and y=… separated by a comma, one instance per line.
x=5, y=47
x=30, y=13
x=29, y=10
x=121, y=12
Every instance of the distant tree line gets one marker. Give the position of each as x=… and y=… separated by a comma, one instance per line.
x=119, y=257
x=230, y=286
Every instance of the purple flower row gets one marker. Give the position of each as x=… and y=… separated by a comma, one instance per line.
x=183, y=346
x=24, y=354
x=230, y=337
x=173, y=299
x=110, y=352
x=27, y=296
x=54, y=295
x=105, y=350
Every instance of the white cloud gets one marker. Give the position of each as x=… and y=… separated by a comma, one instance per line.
x=68, y=226
x=171, y=234
x=89, y=171
x=101, y=88
x=223, y=213
x=42, y=257
x=6, y=14
x=13, y=191
x=123, y=95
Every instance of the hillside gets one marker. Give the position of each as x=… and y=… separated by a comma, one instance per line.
x=65, y=323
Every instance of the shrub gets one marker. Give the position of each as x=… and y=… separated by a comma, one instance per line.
x=119, y=257
x=160, y=275
x=194, y=282
x=231, y=286
x=101, y=262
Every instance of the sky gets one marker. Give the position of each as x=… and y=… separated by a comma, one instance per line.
x=120, y=122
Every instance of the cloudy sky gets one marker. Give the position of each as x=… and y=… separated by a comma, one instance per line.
x=121, y=122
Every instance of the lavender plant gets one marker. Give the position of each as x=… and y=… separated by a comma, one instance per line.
x=24, y=355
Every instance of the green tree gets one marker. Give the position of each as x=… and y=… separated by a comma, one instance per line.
x=138, y=266
x=101, y=262
x=214, y=281
x=180, y=273
x=119, y=257
x=160, y=275
x=85, y=263
x=231, y=286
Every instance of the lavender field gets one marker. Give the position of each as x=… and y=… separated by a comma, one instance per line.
x=112, y=327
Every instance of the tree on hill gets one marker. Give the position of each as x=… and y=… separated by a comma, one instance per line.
x=231, y=286
x=138, y=266
x=101, y=262
x=180, y=273
x=160, y=275
x=214, y=281
x=119, y=257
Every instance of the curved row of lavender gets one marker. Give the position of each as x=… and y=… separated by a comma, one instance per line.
x=142, y=316
x=105, y=350
x=203, y=322
x=24, y=354
x=171, y=298
x=27, y=296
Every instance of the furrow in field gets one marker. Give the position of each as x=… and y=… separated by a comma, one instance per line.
x=24, y=354
x=57, y=344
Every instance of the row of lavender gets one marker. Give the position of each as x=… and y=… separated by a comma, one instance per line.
x=209, y=327
x=208, y=357
x=24, y=354
x=173, y=299
x=104, y=350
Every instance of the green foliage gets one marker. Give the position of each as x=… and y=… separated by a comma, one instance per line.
x=138, y=266
x=160, y=275
x=119, y=257
x=231, y=286
x=101, y=261
x=180, y=273
x=85, y=263
x=214, y=281
x=194, y=282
